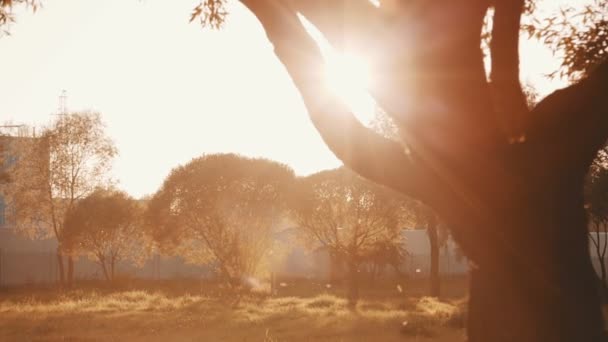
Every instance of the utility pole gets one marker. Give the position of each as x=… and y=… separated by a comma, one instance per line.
x=62, y=109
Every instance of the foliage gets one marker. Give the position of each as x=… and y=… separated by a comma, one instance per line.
x=578, y=34
x=210, y=13
x=106, y=226
x=221, y=209
x=53, y=171
x=355, y=220
x=6, y=11
x=346, y=213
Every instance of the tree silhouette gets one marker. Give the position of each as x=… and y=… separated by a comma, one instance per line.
x=503, y=176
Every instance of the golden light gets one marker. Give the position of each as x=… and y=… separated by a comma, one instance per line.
x=347, y=75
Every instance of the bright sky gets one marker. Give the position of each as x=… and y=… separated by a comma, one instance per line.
x=169, y=90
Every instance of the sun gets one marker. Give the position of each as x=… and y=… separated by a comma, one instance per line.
x=347, y=74
x=348, y=77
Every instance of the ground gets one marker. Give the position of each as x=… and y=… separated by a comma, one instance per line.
x=161, y=313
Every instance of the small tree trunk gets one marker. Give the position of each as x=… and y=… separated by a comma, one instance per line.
x=112, y=269
x=60, y=268
x=70, y=275
x=434, y=242
x=105, y=270
x=602, y=280
x=353, y=282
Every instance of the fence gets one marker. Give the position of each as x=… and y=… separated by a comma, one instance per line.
x=41, y=268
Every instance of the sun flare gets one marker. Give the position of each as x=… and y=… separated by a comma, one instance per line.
x=347, y=74
x=348, y=77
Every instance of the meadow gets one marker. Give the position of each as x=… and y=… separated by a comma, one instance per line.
x=177, y=311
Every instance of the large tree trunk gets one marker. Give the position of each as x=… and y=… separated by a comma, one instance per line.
x=60, y=268
x=513, y=202
x=542, y=291
x=434, y=242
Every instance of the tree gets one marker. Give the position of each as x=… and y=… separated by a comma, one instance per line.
x=222, y=210
x=106, y=226
x=63, y=165
x=385, y=253
x=423, y=215
x=503, y=176
x=597, y=209
x=348, y=216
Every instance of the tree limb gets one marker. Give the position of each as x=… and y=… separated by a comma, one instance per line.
x=368, y=153
x=345, y=23
x=574, y=120
x=509, y=98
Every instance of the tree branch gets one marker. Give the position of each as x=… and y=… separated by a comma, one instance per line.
x=574, y=120
x=346, y=23
x=369, y=154
x=509, y=98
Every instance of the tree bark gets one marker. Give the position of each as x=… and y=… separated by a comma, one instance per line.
x=542, y=292
x=434, y=289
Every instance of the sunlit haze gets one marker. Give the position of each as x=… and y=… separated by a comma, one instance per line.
x=169, y=90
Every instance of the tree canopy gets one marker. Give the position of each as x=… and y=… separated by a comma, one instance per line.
x=65, y=163
x=349, y=217
x=221, y=210
x=107, y=226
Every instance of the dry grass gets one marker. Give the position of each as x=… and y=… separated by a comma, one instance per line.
x=156, y=315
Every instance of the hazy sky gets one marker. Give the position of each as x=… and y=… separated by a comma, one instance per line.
x=168, y=90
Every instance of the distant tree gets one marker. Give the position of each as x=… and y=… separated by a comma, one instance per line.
x=383, y=254
x=64, y=164
x=596, y=191
x=349, y=217
x=222, y=210
x=422, y=215
x=107, y=226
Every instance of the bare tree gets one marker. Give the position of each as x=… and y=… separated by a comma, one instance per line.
x=221, y=209
x=64, y=164
x=349, y=217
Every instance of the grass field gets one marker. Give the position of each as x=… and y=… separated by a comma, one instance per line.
x=180, y=313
